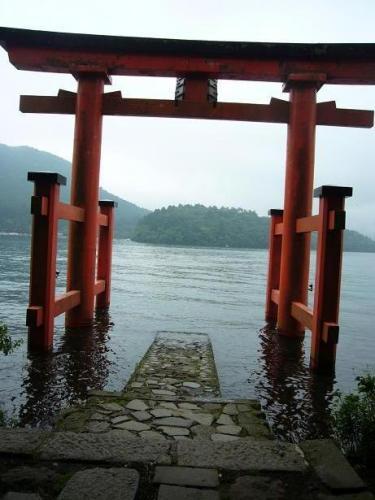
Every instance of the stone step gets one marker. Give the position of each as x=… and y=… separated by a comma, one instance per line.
x=68, y=465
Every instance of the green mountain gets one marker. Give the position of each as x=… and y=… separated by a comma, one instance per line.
x=183, y=225
x=15, y=191
x=219, y=227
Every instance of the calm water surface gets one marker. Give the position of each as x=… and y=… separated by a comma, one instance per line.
x=166, y=289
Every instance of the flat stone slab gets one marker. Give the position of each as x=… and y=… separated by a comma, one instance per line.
x=242, y=454
x=364, y=495
x=173, y=422
x=137, y=405
x=132, y=425
x=181, y=493
x=107, y=447
x=223, y=437
x=187, y=476
x=16, y=495
x=330, y=465
x=101, y=484
x=233, y=430
x=21, y=441
x=257, y=488
x=175, y=431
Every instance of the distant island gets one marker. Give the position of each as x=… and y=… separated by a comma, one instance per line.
x=188, y=225
x=196, y=225
x=203, y=226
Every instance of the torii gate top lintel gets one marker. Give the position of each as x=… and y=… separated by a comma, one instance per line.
x=343, y=63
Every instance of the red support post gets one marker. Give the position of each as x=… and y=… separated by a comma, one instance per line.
x=299, y=178
x=105, y=252
x=44, y=207
x=328, y=276
x=274, y=255
x=85, y=194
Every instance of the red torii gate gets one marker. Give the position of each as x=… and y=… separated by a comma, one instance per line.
x=92, y=59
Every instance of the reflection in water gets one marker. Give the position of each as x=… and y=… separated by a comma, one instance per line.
x=62, y=378
x=295, y=400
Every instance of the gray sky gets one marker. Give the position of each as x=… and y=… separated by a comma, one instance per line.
x=159, y=162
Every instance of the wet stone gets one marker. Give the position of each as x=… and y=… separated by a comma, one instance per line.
x=363, y=495
x=136, y=385
x=330, y=465
x=230, y=409
x=95, y=426
x=152, y=435
x=21, y=441
x=223, y=437
x=191, y=385
x=167, y=492
x=26, y=476
x=98, y=416
x=186, y=476
x=202, y=418
x=229, y=429
x=242, y=454
x=110, y=447
x=162, y=392
x=16, y=495
x=101, y=484
x=188, y=406
x=173, y=421
x=243, y=407
x=225, y=420
x=141, y=415
x=202, y=432
x=161, y=412
x=257, y=488
x=175, y=431
x=120, y=419
x=131, y=425
x=137, y=405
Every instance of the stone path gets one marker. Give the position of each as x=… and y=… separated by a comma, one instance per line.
x=177, y=366
x=169, y=435
x=172, y=395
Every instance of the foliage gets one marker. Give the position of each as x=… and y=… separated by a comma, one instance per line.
x=354, y=421
x=7, y=345
x=203, y=226
x=5, y=421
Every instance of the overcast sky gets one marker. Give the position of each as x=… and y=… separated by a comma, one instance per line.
x=159, y=162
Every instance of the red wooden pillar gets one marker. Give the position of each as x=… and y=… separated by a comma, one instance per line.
x=328, y=276
x=299, y=178
x=85, y=194
x=44, y=207
x=274, y=255
x=107, y=208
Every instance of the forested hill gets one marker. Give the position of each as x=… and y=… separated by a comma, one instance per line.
x=15, y=191
x=218, y=227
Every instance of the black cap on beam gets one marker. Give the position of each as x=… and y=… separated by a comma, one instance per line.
x=275, y=211
x=50, y=177
x=108, y=203
x=338, y=191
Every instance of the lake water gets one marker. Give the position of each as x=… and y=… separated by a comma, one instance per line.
x=167, y=289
